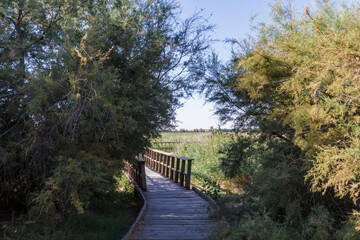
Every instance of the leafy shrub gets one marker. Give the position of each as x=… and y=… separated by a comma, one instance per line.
x=211, y=188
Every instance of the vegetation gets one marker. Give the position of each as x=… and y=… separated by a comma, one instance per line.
x=294, y=89
x=84, y=85
x=108, y=217
x=205, y=149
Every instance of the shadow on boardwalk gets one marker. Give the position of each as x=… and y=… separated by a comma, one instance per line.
x=173, y=212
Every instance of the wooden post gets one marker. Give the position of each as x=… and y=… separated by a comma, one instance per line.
x=148, y=157
x=167, y=165
x=182, y=172
x=177, y=170
x=163, y=170
x=188, y=175
x=157, y=161
x=142, y=174
x=160, y=161
x=162, y=164
x=172, y=168
x=152, y=159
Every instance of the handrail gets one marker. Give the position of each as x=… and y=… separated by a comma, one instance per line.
x=170, y=154
x=165, y=146
x=181, y=157
x=161, y=152
x=137, y=172
x=168, y=164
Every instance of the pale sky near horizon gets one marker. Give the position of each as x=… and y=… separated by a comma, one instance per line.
x=232, y=19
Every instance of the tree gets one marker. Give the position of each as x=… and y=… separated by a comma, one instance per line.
x=84, y=85
x=296, y=85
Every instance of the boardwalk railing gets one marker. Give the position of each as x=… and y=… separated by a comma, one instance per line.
x=175, y=167
x=165, y=146
x=137, y=172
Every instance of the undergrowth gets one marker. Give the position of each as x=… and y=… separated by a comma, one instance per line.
x=259, y=187
x=108, y=217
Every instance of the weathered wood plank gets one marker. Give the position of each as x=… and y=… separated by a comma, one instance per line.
x=178, y=215
x=168, y=237
x=174, y=228
x=180, y=205
x=173, y=212
x=179, y=222
x=155, y=211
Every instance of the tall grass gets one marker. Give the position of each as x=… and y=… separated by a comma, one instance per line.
x=205, y=149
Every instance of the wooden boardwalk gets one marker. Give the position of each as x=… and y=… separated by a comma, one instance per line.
x=173, y=212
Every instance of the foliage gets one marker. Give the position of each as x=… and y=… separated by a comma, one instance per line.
x=294, y=89
x=108, y=217
x=241, y=157
x=205, y=149
x=84, y=85
x=211, y=188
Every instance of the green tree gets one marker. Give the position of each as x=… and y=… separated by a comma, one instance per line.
x=296, y=84
x=84, y=85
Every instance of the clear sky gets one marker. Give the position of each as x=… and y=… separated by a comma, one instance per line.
x=233, y=20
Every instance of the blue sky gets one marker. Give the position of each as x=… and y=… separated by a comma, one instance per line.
x=232, y=19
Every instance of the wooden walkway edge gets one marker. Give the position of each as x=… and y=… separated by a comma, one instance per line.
x=172, y=212
x=136, y=223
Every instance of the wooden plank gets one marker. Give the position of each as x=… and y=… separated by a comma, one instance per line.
x=172, y=196
x=172, y=235
x=198, y=216
x=176, y=212
x=173, y=212
x=180, y=222
x=187, y=201
x=174, y=228
x=179, y=208
x=167, y=237
x=191, y=202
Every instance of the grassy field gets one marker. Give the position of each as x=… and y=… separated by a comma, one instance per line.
x=205, y=148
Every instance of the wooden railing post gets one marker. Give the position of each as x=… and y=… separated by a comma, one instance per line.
x=172, y=168
x=188, y=175
x=157, y=162
x=163, y=161
x=182, y=171
x=142, y=174
x=160, y=165
x=152, y=159
x=177, y=170
x=167, y=165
